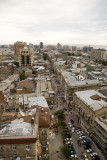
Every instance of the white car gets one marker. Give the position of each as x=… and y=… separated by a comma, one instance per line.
x=82, y=137
x=70, y=125
x=73, y=155
x=73, y=131
x=79, y=132
x=89, y=150
x=93, y=154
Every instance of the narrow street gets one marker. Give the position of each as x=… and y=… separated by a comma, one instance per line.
x=60, y=103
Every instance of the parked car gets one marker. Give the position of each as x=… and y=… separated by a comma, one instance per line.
x=89, y=150
x=78, y=128
x=87, y=147
x=72, y=130
x=82, y=137
x=72, y=121
x=85, y=156
x=96, y=157
x=93, y=154
x=79, y=143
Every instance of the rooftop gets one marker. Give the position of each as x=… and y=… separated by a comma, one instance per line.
x=6, y=83
x=91, y=98
x=72, y=80
x=38, y=101
x=16, y=127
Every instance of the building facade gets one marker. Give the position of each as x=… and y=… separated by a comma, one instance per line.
x=100, y=133
x=26, y=57
x=17, y=46
x=89, y=104
x=98, y=54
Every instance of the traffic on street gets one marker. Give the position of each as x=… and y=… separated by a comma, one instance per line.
x=81, y=146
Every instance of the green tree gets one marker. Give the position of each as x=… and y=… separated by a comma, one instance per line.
x=60, y=115
x=65, y=150
x=44, y=56
x=17, y=64
x=22, y=76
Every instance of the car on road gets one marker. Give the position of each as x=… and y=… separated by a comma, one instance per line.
x=94, y=156
x=73, y=156
x=87, y=147
x=72, y=130
x=82, y=137
x=68, y=139
x=85, y=156
x=78, y=128
x=79, y=143
x=89, y=150
x=72, y=121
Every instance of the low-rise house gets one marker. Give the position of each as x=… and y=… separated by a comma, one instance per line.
x=25, y=86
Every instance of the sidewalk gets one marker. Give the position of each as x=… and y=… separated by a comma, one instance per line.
x=56, y=143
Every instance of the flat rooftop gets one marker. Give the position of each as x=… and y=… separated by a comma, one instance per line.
x=16, y=127
x=38, y=101
x=72, y=80
x=87, y=97
x=6, y=83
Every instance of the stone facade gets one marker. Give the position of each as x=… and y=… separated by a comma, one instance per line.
x=26, y=57
x=18, y=46
x=98, y=54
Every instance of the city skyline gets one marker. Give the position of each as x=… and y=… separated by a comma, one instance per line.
x=67, y=22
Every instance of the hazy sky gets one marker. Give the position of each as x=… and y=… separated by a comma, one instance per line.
x=52, y=21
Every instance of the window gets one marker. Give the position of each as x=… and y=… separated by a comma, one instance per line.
x=27, y=155
x=27, y=147
x=13, y=147
x=1, y=148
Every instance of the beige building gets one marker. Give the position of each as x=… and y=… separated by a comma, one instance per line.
x=17, y=46
x=89, y=104
x=27, y=135
x=18, y=139
x=26, y=57
x=72, y=83
x=98, y=54
x=100, y=132
x=44, y=87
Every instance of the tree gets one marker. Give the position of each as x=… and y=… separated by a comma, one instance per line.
x=65, y=150
x=60, y=115
x=22, y=76
x=17, y=64
x=44, y=56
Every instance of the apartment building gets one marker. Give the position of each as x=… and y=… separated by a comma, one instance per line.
x=26, y=57
x=27, y=135
x=98, y=54
x=100, y=132
x=17, y=46
x=44, y=87
x=89, y=104
x=18, y=139
x=72, y=83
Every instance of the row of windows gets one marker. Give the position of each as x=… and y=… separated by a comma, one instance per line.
x=15, y=157
x=27, y=147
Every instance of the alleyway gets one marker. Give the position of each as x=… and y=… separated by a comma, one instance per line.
x=55, y=151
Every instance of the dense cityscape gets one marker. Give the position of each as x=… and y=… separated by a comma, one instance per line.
x=53, y=80
x=53, y=102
